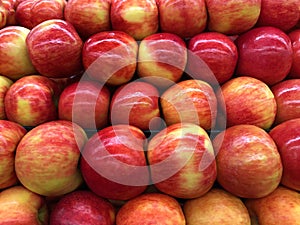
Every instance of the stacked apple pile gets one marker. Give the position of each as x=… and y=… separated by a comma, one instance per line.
x=150, y=112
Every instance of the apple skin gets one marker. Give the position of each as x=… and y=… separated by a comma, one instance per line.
x=247, y=100
x=184, y=18
x=295, y=39
x=72, y=209
x=214, y=52
x=272, y=209
x=232, y=17
x=88, y=17
x=89, y=97
x=265, y=53
x=248, y=161
x=3, y=15
x=202, y=210
x=5, y=84
x=54, y=48
x=31, y=100
x=19, y=206
x=137, y=18
x=110, y=57
x=190, y=101
x=47, y=158
x=14, y=59
x=137, y=104
x=113, y=163
x=287, y=138
x=287, y=95
x=182, y=161
x=151, y=208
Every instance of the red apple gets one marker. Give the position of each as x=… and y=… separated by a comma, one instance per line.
x=82, y=207
x=217, y=51
x=88, y=17
x=3, y=15
x=10, y=6
x=248, y=162
x=110, y=57
x=287, y=95
x=232, y=17
x=113, y=163
x=186, y=18
x=151, y=208
x=265, y=53
x=54, y=48
x=47, y=157
x=31, y=100
x=5, y=84
x=182, y=161
x=14, y=59
x=137, y=18
x=246, y=100
x=295, y=39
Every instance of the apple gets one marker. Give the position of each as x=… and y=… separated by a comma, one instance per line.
x=31, y=100
x=137, y=18
x=14, y=59
x=5, y=84
x=248, y=161
x=247, y=100
x=215, y=51
x=19, y=206
x=186, y=18
x=232, y=17
x=265, y=53
x=182, y=161
x=10, y=135
x=113, y=163
x=10, y=6
x=82, y=207
x=162, y=58
x=190, y=101
x=88, y=17
x=30, y=13
x=216, y=207
x=282, y=206
x=136, y=104
x=3, y=15
x=295, y=39
x=110, y=57
x=151, y=208
x=287, y=95
x=89, y=97
x=287, y=138
x=283, y=14
x=47, y=157
x=54, y=48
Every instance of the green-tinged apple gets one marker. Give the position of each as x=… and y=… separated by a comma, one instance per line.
x=113, y=163
x=281, y=207
x=186, y=18
x=287, y=95
x=190, y=101
x=162, y=58
x=82, y=207
x=265, y=53
x=88, y=17
x=5, y=84
x=232, y=17
x=32, y=100
x=14, y=59
x=216, y=207
x=85, y=103
x=136, y=104
x=212, y=57
x=137, y=18
x=182, y=161
x=151, y=208
x=110, y=57
x=287, y=138
x=247, y=100
x=19, y=206
x=295, y=39
x=54, y=48
x=248, y=161
x=47, y=158
x=10, y=135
